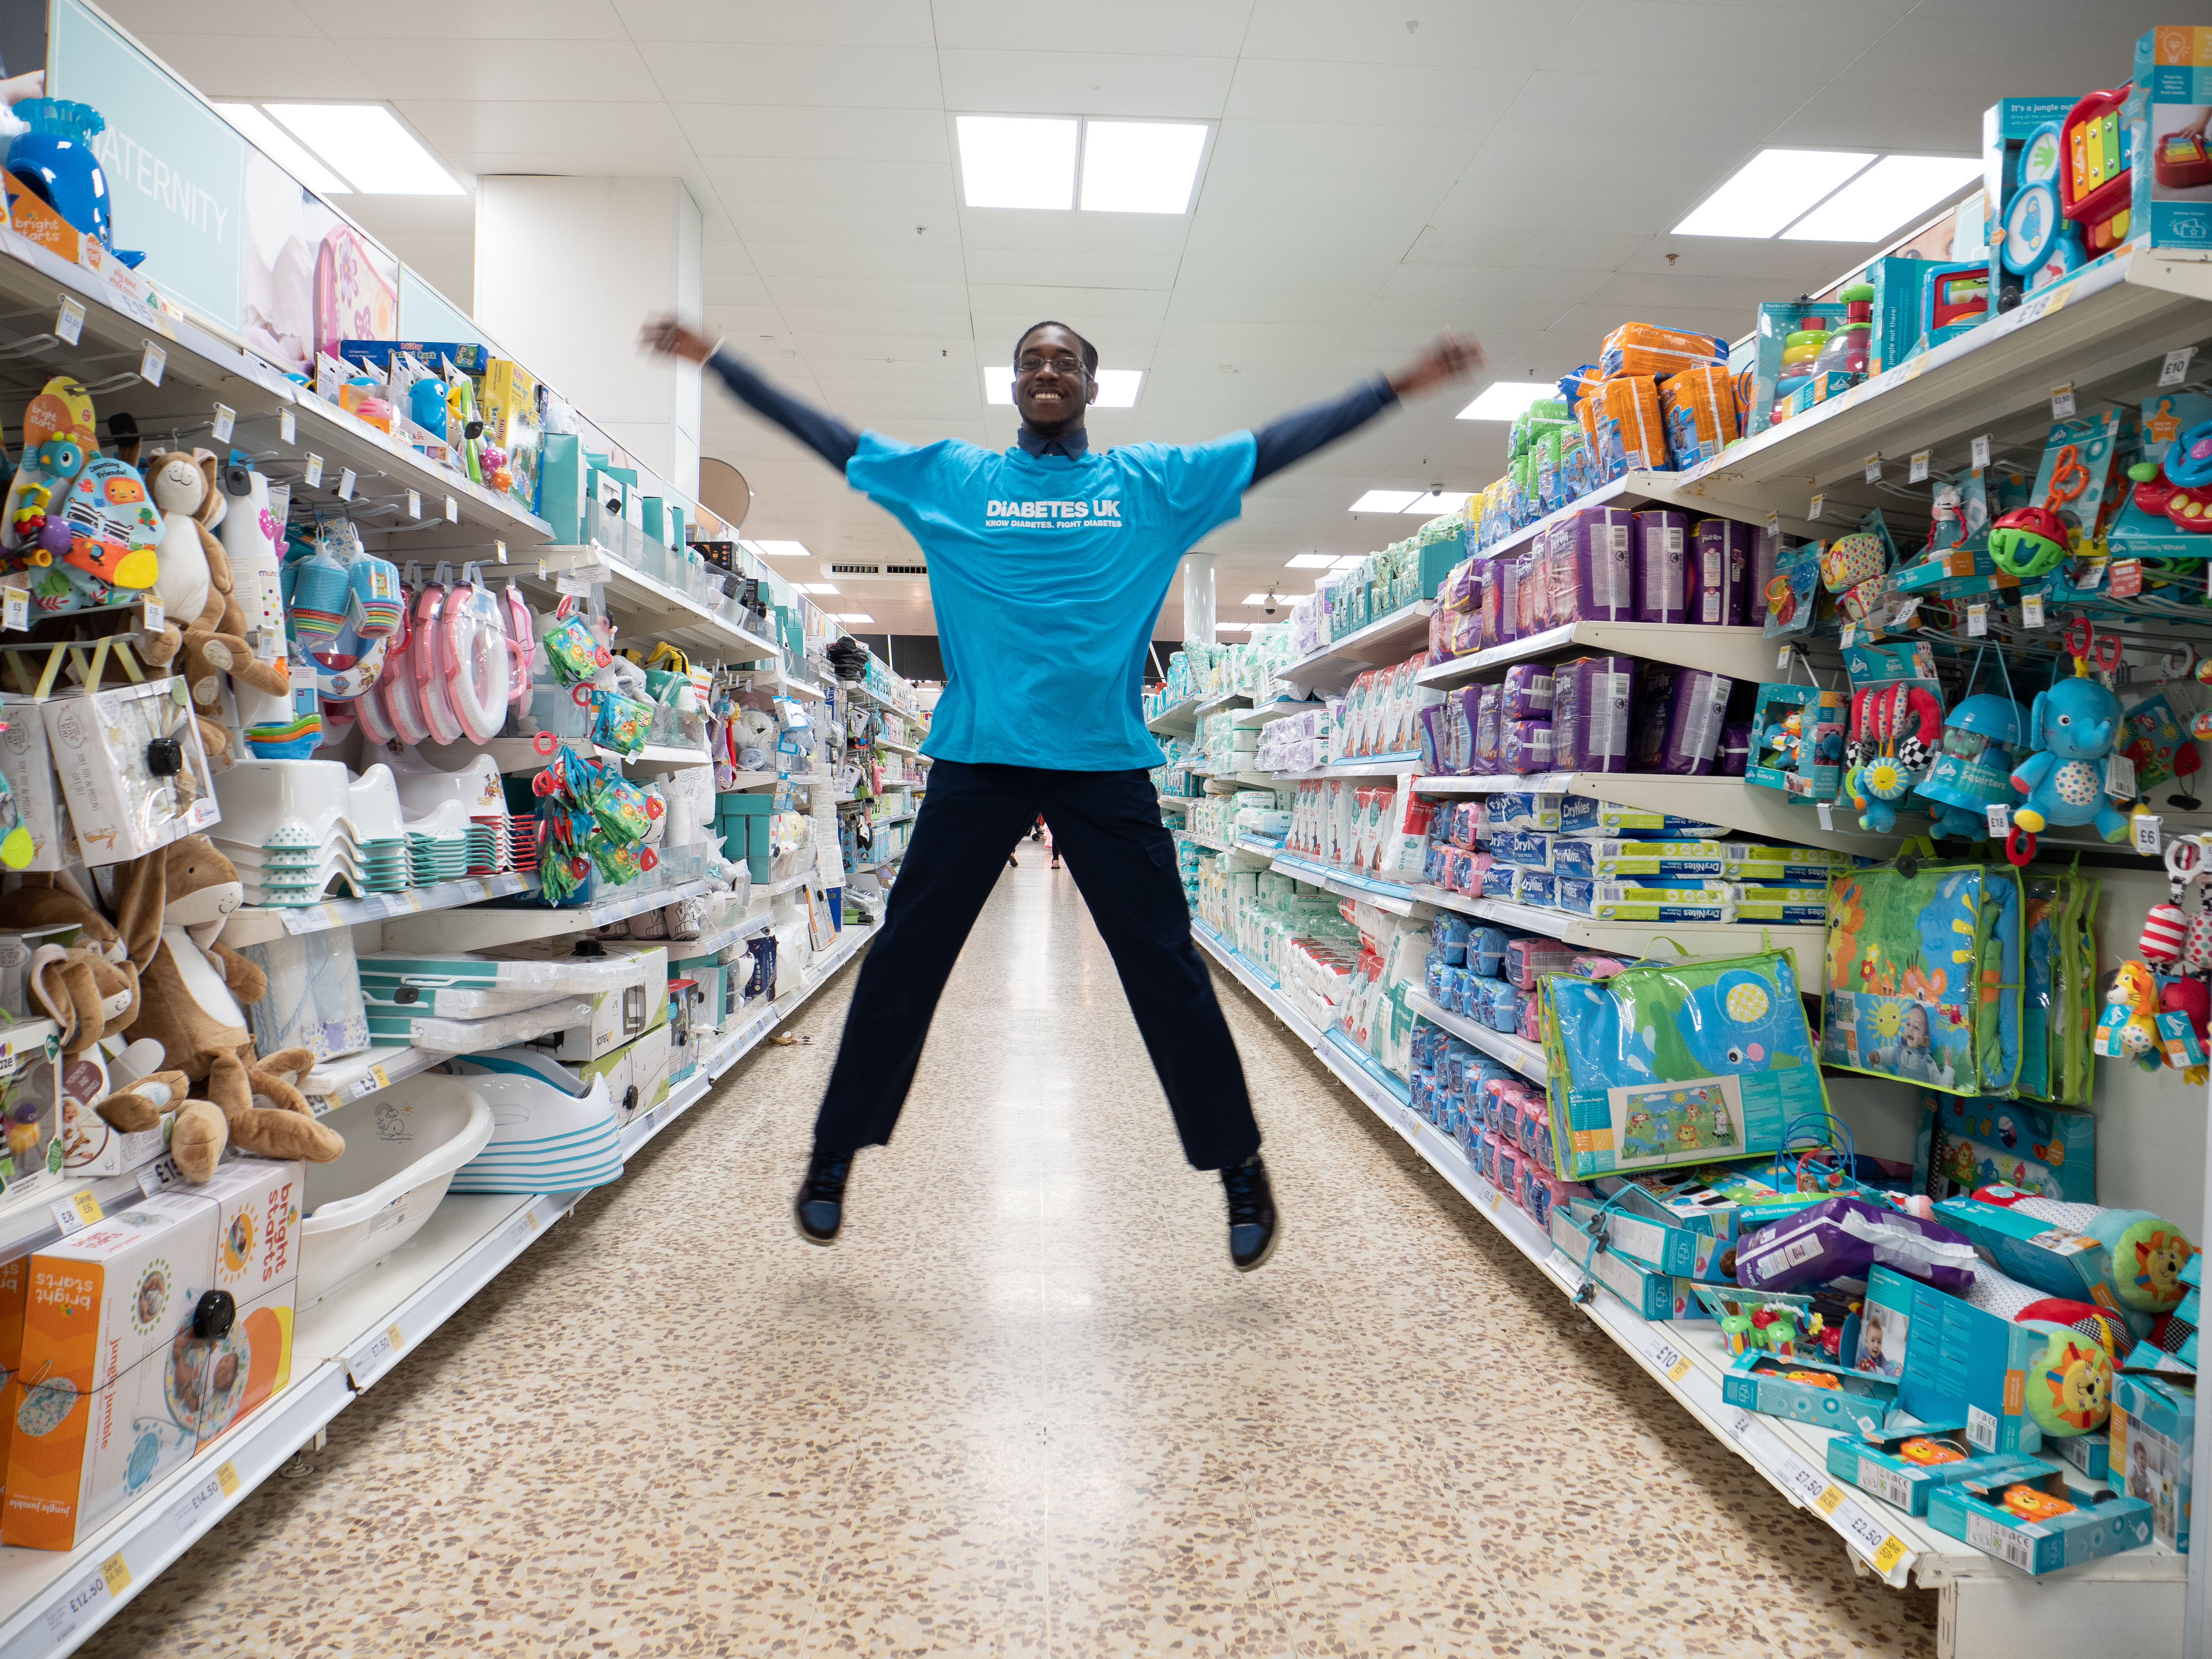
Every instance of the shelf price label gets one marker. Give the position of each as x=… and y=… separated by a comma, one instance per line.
x=15, y=609
x=1978, y=620
x=117, y=1574
x=2175, y=369
x=1874, y=469
x=345, y=486
x=500, y=548
x=314, y=470
x=76, y=1212
x=1980, y=456
x=1774, y=526
x=2031, y=610
x=225, y=422
x=151, y=363
x=2062, y=401
x=1819, y=505
x=2147, y=828
x=1782, y=660
x=1827, y=809
x=453, y=516
x=288, y=426
x=156, y=617
x=2000, y=819
x=1906, y=612
x=68, y=322
x=414, y=503
x=1917, y=472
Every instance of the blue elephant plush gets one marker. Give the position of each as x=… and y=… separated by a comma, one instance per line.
x=2072, y=727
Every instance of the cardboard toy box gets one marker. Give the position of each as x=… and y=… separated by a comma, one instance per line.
x=2099, y=1523
x=2034, y=1251
x=116, y=1385
x=2171, y=187
x=506, y=398
x=1654, y=1295
x=1639, y=1225
x=1759, y=1381
x=1953, y=1363
x=1873, y=1463
x=2154, y=1445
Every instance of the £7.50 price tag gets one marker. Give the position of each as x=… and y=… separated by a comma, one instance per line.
x=377, y=1356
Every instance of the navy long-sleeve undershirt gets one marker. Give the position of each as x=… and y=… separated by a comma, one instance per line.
x=1283, y=441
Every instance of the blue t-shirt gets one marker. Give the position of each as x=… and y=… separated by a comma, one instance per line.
x=1047, y=574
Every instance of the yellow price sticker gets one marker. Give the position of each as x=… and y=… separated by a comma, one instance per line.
x=382, y=1080
x=87, y=1207
x=226, y=1478
x=1886, y=1557
x=1679, y=1370
x=1827, y=1501
x=116, y=1573
x=533, y=1220
x=398, y=1340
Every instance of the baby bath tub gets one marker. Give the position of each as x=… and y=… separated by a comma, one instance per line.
x=403, y=1147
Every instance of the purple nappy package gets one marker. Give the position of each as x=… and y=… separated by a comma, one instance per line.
x=1697, y=709
x=1524, y=746
x=1591, y=702
x=1486, y=722
x=1736, y=748
x=1661, y=540
x=1766, y=550
x=1505, y=585
x=1527, y=692
x=1593, y=576
x=1846, y=1238
x=1720, y=563
x=1486, y=601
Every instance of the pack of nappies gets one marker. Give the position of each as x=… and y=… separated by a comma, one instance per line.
x=1510, y=810
x=1590, y=700
x=1698, y=405
x=1661, y=554
x=1524, y=746
x=1652, y=899
x=1639, y=349
x=1527, y=692
x=1604, y=859
x=1592, y=569
x=1580, y=816
x=1529, y=848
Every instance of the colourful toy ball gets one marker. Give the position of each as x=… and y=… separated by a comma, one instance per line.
x=2070, y=1383
x=1850, y=560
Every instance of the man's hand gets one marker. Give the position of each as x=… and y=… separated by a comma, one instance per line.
x=670, y=338
x=1451, y=358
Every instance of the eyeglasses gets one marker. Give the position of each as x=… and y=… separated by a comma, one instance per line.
x=1030, y=363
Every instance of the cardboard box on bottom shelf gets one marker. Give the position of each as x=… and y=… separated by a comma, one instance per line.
x=146, y=1336
x=1654, y=1295
x=1953, y=1363
x=636, y=1073
x=1885, y=1463
x=2032, y=1519
x=2153, y=1446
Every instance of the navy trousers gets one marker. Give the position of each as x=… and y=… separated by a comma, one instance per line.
x=1106, y=825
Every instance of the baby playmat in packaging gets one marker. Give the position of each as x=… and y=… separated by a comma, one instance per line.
x=1925, y=975
x=1669, y=1063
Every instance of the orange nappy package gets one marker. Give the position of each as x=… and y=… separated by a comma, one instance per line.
x=1698, y=407
x=1631, y=432
x=1640, y=349
x=146, y=1336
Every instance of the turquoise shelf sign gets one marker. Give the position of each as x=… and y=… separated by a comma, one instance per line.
x=176, y=170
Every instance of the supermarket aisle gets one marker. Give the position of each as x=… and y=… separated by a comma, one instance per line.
x=1024, y=1407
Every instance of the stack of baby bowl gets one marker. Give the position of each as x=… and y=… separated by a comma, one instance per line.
x=296, y=829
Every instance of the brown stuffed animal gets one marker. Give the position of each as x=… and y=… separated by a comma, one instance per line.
x=84, y=992
x=195, y=587
x=170, y=906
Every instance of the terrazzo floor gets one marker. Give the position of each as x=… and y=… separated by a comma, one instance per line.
x=1026, y=1406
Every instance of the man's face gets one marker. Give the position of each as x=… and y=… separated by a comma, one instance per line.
x=1050, y=386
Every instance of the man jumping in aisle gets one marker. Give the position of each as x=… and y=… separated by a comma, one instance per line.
x=1047, y=565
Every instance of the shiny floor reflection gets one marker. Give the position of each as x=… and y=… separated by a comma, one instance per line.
x=1026, y=1406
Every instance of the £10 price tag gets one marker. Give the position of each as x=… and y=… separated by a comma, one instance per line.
x=2175, y=369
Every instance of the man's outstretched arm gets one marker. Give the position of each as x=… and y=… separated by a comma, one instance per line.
x=819, y=431
x=1294, y=436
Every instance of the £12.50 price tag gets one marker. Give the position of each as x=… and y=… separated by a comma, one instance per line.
x=2062, y=401
x=68, y=322
x=1874, y=469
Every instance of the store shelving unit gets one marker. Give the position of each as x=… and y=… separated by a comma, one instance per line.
x=1177, y=720
x=1750, y=809
x=1388, y=639
x=521, y=754
x=1268, y=713
x=1740, y=653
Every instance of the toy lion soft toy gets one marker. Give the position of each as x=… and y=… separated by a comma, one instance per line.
x=170, y=907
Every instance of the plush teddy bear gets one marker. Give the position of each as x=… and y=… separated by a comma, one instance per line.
x=170, y=907
x=204, y=618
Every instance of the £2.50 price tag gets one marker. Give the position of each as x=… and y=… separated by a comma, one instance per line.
x=68, y=324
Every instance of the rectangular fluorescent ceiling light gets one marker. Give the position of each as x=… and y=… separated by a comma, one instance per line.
x=850, y=617
x=366, y=143
x=1256, y=598
x=1140, y=167
x=1385, y=500
x=1769, y=191
x=1507, y=400
x=815, y=587
x=1312, y=561
x=1232, y=628
x=1438, y=501
x=1009, y=162
x=1894, y=189
x=779, y=550
x=1117, y=387
x=282, y=148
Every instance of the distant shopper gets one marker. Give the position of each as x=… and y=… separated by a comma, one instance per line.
x=1048, y=563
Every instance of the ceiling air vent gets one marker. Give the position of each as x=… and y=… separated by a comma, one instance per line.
x=856, y=570
x=876, y=572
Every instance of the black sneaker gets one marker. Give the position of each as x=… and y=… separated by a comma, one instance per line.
x=819, y=1209
x=1252, y=1225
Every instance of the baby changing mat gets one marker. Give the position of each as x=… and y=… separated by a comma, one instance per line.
x=1676, y=1063
x=1925, y=975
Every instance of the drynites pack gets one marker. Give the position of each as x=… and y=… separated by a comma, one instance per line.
x=1721, y=561
x=1590, y=699
x=1661, y=539
x=1697, y=709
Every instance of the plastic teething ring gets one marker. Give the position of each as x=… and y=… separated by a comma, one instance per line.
x=2019, y=847
x=582, y=696
x=2075, y=636
x=648, y=858
x=579, y=866
x=655, y=806
x=545, y=783
x=545, y=743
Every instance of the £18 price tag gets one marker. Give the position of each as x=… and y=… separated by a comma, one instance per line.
x=2000, y=818
x=2175, y=369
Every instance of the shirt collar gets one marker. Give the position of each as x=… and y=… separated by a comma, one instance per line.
x=1074, y=445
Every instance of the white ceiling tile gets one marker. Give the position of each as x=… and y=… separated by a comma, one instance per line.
x=1677, y=39
x=1084, y=83
x=1485, y=34
x=863, y=292
x=1319, y=202
x=1254, y=346
x=1204, y=28
x=835, y=77
x=1939, y=54
x=780, y=22
x=940, y=376
x=1339, y=92
x=1222, y=306
x=1038, y=268
x=847, y=226
x=507, y=21
x=1886, y=117
x=1382, y=234
x=1649, y=296
x=385, y=216
x=722, y=289
x=899, y=263
x=1309, y=149
x=1575, y=246
x=849, y=135
x=871, y=335
x=1122, y=341
x=743, y=180
x=469, y=125
x=744, y=324
x=583, y=72
x=1236, y=273
x=1141, y=304
x=244, y=20
x=1041, y=231
x=282, y=66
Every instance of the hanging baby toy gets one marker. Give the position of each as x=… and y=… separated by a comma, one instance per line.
x=1893, y=729
x=2071, y=728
